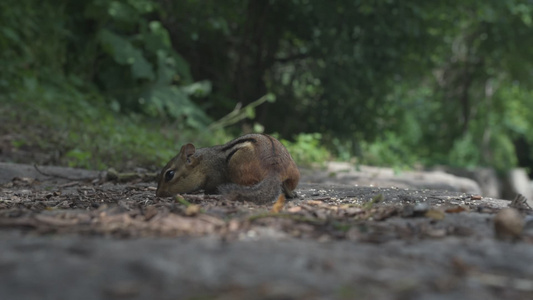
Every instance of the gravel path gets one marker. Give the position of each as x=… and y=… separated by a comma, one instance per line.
x=88, y=240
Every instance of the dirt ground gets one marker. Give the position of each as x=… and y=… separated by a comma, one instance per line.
x=78, y=234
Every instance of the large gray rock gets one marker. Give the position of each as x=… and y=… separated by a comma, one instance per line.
x=207, y=268
x=486, y=178
x=516, y=182
x=8, y=171
x=345, y=173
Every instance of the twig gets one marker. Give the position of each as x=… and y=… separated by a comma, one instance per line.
x=238, y=113
x=68, y=184
x=182, y=200
x=113, y=175
x=60, y=176
x=190, y=209
x=287, y=216
x=320, y=199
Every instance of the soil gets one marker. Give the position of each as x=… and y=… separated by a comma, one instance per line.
x=76, y=234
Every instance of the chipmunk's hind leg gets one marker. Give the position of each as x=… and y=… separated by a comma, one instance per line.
x=287, y=191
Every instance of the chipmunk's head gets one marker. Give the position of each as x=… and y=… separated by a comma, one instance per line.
x=181, y=174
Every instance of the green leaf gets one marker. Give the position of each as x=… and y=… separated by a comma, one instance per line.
x=123, y=12
x=124, y=53
x=172, y=101
x=198, y=89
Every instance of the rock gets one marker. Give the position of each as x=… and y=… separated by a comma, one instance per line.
x=508, y=224
x=517, y=182
x=486, y=178
x=345, y=173
x=8, y=171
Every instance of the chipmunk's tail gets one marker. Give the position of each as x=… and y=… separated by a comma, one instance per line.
x=264, y=192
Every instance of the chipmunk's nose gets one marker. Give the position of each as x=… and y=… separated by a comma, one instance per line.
x=160, y=193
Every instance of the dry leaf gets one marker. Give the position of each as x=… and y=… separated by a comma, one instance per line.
x=314, y=202
x=53, y=221
x=294, y=209
x=150, y=212
x=192, y=210
x=456, y=209
x=234, y=225
x=435, y=214
x=508, y=223
x=278, y=206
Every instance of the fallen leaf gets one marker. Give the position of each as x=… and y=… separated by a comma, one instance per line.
x=23, y=180
x=192, y=210
x=460, y=267
x=150, y=212
x=314, y=202
x=294, y=209
x=456, y=209
x=278, y=206
x=53, y=221
x=435, y=214
x=234, y=225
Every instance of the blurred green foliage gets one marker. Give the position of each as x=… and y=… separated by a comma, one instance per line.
x=388, y=82
x=307, y=149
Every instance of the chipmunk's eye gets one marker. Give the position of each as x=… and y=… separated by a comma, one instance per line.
x=169, y=175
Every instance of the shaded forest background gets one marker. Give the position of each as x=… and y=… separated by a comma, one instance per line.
x=101, y=83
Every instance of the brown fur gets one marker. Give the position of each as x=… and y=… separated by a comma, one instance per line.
x=238, y=169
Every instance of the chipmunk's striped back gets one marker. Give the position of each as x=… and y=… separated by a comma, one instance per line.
x=253, y=167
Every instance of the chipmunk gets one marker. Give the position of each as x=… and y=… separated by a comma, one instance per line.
x=253, y=167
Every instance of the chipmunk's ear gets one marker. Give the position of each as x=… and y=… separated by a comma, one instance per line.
x=187, y=151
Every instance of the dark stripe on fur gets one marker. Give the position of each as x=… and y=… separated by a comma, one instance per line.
x=235, y=150
x=231, y=154
x=272, y=144
x=236, y=142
